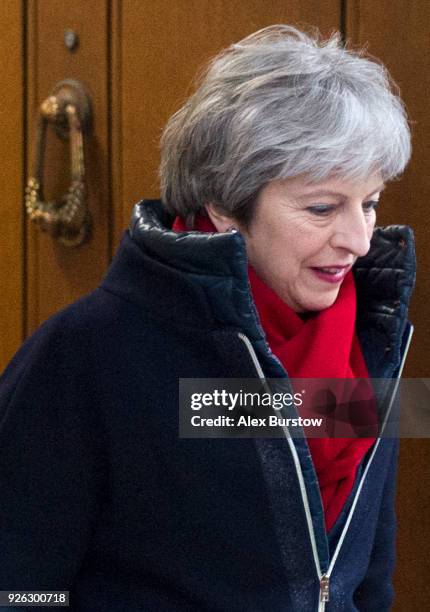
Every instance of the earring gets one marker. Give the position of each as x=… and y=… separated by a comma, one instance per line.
x=232, y=228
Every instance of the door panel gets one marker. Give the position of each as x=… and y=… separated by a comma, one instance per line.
x=11, y=179
x=58, y=275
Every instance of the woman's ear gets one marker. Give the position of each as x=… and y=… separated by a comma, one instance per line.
x=222, y=222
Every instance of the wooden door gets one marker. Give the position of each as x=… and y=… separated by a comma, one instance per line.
x=12, y=168
x=58, y=275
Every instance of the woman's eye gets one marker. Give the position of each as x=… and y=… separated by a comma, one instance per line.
x=370, y=205
x=320, y=209
x=324, y=210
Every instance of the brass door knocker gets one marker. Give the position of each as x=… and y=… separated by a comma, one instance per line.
x=68, y=109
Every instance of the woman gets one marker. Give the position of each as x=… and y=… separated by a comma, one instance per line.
x=289, y=141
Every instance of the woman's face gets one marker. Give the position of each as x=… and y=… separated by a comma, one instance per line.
x=305, y=237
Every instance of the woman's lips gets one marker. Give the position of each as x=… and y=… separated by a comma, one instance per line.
x=331, y=274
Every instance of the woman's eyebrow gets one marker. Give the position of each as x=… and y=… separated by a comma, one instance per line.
x=327, y=192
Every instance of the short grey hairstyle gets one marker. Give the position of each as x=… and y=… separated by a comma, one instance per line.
x=278, y=104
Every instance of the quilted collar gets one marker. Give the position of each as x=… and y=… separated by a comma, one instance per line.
x=217, y=265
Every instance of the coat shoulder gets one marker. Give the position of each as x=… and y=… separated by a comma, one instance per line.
x=66, y=345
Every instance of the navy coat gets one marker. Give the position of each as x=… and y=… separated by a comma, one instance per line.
x=99, y=495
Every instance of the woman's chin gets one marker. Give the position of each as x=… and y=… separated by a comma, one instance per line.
x=315, y=303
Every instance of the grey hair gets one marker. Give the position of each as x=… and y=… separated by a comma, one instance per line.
x=278, y=104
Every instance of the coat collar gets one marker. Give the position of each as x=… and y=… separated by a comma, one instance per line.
x=207, y=281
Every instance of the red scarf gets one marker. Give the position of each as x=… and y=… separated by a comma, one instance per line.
x=323, y=346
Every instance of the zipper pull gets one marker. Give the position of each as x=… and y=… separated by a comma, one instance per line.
x=324, y=588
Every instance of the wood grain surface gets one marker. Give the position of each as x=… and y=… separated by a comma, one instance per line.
x=58, y=275
x=11, y=179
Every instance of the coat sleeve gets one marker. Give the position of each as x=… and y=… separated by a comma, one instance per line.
x=376, y=592
x=51, y=468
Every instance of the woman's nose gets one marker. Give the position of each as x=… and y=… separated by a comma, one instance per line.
x=353, y=232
